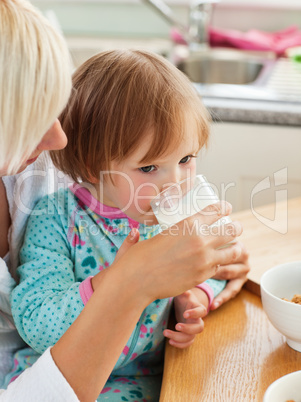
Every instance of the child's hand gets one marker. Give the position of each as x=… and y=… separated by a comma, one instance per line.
x=189, y=313
x=236, y=275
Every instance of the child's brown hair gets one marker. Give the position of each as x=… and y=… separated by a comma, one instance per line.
x=117, y=97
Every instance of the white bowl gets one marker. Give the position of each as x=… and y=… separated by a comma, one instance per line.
x=283, y=281
x=284, y=389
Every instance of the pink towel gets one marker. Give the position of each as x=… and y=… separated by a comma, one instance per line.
x=254, y=39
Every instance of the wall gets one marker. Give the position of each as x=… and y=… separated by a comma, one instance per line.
x=117, y=18
x=246, y=161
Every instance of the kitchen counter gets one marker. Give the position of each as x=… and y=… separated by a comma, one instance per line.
x=273, y=98
x=221, y=108
x=254, y=112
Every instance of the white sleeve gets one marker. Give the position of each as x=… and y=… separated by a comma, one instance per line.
x=6, y=286
x=41, y=382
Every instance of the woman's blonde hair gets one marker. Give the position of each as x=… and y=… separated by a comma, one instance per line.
x=117, y=97
x=35, y=79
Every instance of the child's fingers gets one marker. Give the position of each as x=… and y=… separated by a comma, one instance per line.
x=178, y=337
x=184, y=331
x=190, y=328
x=195, y=313
x=181, y=345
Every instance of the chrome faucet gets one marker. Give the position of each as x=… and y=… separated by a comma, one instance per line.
x=196, y=32
x=199, y=22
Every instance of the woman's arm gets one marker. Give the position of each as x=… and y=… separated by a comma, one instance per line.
x=45, y=380
x=90, y=348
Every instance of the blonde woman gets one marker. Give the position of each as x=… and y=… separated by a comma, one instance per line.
x=35, y=85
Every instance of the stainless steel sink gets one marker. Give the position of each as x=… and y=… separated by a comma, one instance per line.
x=221, y=67
x=236, y=74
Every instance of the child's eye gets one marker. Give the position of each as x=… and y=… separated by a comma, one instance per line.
x=147, y=169
x=186, y=159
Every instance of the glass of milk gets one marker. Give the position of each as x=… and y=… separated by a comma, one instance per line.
x=184, y=199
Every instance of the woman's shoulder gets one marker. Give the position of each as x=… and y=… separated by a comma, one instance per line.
x=39, y=179
x=24, y=189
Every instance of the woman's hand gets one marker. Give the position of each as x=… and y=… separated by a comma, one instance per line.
x=190, y=252
x=236, y=274
x=179, y=258
x=189, y=312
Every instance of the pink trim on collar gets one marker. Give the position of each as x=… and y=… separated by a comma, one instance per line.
x=84, y=195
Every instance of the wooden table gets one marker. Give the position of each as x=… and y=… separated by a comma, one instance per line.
x=267, y=246
x=239, y=354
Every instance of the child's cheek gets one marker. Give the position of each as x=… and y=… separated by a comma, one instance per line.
x=143, y=196
x=192, y=168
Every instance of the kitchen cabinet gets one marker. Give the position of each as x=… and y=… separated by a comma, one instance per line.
x=252, y=164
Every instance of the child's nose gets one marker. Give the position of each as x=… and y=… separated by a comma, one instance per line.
x=54, y=139
x=172, y=178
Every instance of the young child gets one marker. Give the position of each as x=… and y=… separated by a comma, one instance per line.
x=134, y=125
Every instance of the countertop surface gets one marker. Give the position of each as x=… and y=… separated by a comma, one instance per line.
x=270, y=241
x=254, y=112
x=235, y=359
